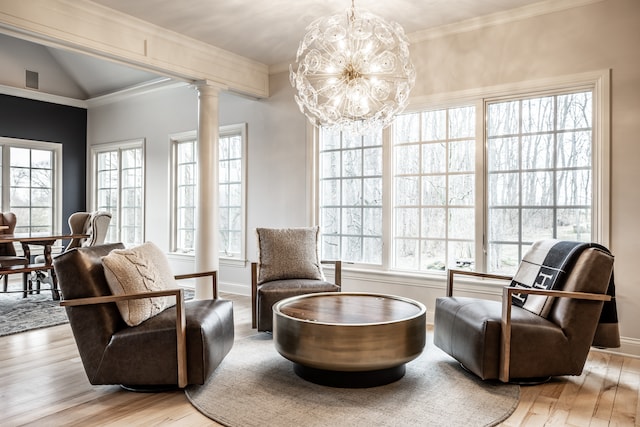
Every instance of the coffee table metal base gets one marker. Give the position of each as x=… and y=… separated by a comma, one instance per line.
x=349, y=379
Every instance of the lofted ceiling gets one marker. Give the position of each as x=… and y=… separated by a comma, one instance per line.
x=265, y=31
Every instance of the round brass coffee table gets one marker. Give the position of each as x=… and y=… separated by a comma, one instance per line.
x=347, y=339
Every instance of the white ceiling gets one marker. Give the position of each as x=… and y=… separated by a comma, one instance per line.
x=267, y=31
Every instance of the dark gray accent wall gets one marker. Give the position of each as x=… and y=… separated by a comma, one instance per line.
x=44, y=121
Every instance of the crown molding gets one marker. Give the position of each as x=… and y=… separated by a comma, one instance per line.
x=498, y=18
x=133, y=91
x=130, y=92
x=41, y=96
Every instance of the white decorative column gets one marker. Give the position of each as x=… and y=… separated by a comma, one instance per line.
x=206, y=239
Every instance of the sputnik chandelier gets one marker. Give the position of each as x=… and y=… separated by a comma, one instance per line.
x=353, y=72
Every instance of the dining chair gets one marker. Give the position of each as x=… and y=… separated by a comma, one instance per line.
x=8, y=255
x=92, y=224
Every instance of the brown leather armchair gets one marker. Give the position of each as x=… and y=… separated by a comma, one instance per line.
x=179, y=346
x=498, y=340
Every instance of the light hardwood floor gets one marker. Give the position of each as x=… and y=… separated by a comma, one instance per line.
x=42, y=383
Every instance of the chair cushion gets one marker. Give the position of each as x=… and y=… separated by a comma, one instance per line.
x=143, y=268
x=288, y=253
x=270, y=293
x=469, y=330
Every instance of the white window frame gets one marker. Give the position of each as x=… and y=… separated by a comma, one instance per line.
x=56, y=148
x=225, y=131
x=119, y=146
x=175, y=140
x=597, y=81
x=228, y=130
x=363, y=145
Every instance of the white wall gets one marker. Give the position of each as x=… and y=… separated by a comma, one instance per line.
x=598, y=36
x=276, y=157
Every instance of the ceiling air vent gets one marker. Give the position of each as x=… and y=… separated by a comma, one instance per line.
x=31, y=80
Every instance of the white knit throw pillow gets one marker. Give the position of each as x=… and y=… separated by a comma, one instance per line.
x=135, y=270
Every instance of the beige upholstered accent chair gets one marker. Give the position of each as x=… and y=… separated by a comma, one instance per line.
x=289, y=265
x=8, y=256
x=180, y=345
x=550, y=337
x=93, y=224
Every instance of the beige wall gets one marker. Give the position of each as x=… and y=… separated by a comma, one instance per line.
x=603, y=35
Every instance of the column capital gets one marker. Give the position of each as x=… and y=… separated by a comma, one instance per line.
x=209, y=87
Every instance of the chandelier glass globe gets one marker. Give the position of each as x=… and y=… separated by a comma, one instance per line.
x=353, y=72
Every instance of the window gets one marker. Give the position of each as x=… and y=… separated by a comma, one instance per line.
x=471, y=184
x=232, y=190
x=185, y=191
x=119, y=189
x=231, y=185
x=540, y=181
x=434, y=189
x=30, y=169
x=351, y=197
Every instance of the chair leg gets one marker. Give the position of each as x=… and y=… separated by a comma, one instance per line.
x=5, y=281
x=38, y=283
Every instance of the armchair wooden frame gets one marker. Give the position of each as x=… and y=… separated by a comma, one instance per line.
x=181, y=322
x=254, y=286
x=507, y=292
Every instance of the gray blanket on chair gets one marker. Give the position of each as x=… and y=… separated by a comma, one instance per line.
x=545, y=266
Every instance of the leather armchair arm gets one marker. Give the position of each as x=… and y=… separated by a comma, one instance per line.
x=214, y=279
x=337, y=270
x=507, y=302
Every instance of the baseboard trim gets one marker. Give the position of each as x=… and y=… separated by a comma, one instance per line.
x=629, y=347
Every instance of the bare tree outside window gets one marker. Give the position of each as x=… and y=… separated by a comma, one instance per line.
x=470, y=184
x=185, y=195
x=350, y=193
x=31, y=189
x=119, y=189
x=231, y=196
x=231, y=187
x=434, y=190
x=539, y=174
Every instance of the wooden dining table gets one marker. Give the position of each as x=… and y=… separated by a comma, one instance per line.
x=46, y=241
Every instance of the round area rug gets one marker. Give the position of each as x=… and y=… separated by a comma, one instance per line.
x=255, y=386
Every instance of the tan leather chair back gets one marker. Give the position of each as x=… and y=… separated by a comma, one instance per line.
x=95, y=224
x=97, y=228
x=8, y=219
